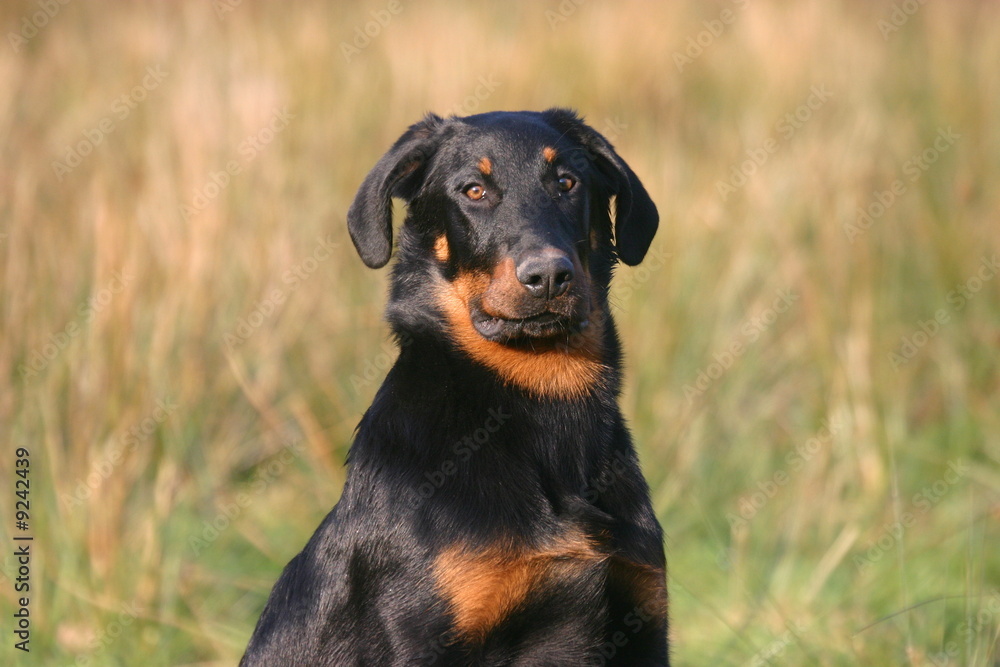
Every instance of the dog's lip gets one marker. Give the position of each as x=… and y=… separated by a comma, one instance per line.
x=542, y=325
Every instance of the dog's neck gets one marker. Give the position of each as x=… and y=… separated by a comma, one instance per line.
x=447, y=423
x=556, y=372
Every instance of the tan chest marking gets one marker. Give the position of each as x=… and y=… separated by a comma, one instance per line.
x=482, y=587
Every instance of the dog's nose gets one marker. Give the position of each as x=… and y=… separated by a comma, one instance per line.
x=546, y=274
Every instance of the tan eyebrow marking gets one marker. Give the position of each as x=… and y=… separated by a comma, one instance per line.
x=485, y=166
x=441, y=250
x=549, y=153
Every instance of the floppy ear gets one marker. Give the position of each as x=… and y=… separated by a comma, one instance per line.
x=636, y=218
x=399, y=173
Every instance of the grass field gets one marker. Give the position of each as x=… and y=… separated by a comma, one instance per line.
x=187, y=338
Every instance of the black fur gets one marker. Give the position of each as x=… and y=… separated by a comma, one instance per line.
x=453, y=454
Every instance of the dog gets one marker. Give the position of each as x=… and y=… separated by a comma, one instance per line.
x=494, y=511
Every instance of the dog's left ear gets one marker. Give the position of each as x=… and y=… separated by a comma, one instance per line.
x=399, y=173
x=636, y=218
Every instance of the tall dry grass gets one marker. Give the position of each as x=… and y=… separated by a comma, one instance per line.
x=177, y=464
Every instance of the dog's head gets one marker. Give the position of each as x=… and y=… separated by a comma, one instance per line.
x=509, y=229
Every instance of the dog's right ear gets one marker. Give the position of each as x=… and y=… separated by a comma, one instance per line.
x=399, y=173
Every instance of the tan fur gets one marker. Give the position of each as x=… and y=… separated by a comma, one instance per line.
x=558, y=371
x=441, y=250
x=483, y=586
x=648, y=585
x=501, y=296
x=549, y=153
x=485, y=166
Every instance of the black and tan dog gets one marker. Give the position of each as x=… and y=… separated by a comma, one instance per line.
x=494, y=512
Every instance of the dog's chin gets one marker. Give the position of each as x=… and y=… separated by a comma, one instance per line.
x=527, y=331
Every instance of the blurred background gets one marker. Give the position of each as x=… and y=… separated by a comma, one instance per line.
x=187, y=338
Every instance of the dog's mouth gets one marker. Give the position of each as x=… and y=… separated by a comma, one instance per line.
x=526, y=330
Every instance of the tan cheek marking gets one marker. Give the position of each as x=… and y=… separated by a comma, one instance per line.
x=505, y=291
x=483, y=586
x=464, y=287
x=565, y=372
x=485, y=166
x=441, y=250
x=549, y=153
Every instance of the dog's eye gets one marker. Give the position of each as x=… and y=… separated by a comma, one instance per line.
x=475, y=192
x=566, y=183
